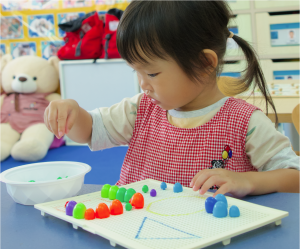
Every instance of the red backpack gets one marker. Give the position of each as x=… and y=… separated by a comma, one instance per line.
x=88, y=38
x=112, y=18
x=83, y=38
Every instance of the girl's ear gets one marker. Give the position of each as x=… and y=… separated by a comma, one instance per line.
x=211, y=56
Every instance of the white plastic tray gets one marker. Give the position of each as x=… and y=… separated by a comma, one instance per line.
x=169, y=220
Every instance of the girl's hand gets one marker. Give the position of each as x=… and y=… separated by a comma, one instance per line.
x=236, y=183
x=60, y=116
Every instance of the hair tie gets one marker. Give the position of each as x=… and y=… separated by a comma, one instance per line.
x=230, y=34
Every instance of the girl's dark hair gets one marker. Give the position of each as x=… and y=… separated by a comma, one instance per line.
x=181, y=30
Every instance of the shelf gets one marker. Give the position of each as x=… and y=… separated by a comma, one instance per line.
x=280, y=9
x=264, y=57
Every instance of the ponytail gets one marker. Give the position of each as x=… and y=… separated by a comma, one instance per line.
x=254, y=72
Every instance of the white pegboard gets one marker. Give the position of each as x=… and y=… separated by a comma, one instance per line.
x=169, y=220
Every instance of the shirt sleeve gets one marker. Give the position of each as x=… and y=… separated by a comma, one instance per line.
x=266, y=147
x=113, y=126
x=285, y=159
x=100, y=139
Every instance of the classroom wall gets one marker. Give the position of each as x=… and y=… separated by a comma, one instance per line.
x=30, y=27
x=272, y=28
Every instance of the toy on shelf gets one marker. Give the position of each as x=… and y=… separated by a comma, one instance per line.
x=29, y=84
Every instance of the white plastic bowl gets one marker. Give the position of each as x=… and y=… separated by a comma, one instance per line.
x=46, y=186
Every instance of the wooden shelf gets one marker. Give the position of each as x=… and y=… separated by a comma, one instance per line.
x=253, y=11
x=284, y=106
x=264, y=57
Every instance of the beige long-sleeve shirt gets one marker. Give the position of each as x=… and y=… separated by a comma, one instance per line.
x=266, y=148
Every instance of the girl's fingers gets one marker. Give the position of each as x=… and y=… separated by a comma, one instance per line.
x=202, y=177
x=192, y=183
x=52, y=120
x=46, y=119
x=222, y=190
x=211, y=181
x=62, y=115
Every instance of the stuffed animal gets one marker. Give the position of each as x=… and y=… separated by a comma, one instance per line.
x=29, y=84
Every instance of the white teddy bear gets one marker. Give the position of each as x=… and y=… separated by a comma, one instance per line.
x=29, y=83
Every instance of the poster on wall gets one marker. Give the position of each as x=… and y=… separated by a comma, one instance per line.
x=22, y=48
x=76, y=3
x=66, y=17
x=11, y=27
x=100, y=2
x=35, y=21
x=44, y=4
x=286, y=75
x=41, y=25
x=231, y=44
x=50, y=48
x=232, y=74
x=2, y=49
x=110, y=2
x=284, y=34
x=11, y=5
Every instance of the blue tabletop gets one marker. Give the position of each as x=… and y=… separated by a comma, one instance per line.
x=23, y=227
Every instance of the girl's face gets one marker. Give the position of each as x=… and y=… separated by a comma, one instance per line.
x=166, y=84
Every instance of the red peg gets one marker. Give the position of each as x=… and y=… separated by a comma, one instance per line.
x=66, y=203
x=89, y=214
x=137, y=200
x=102, y=211
x=116, y=207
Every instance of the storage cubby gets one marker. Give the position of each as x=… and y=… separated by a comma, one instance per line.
x=277, y=35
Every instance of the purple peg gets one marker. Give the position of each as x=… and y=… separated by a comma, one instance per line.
x=69, y=208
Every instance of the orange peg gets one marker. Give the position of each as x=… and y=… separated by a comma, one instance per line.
x=89, y=214
x=116, y=207
x=102, y=211
x=137, y=201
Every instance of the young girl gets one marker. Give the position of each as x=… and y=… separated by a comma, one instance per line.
x=183, y=129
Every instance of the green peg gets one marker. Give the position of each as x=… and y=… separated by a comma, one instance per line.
x=145, y=189
x=79, y=210
x=128, y=206
x=113, y=192
x=129, y=193
x=105, y=190
x=120, y=194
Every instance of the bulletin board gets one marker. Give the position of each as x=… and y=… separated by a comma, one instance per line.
x=30, y=27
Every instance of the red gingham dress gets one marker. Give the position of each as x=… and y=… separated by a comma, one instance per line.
x=161, y=151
